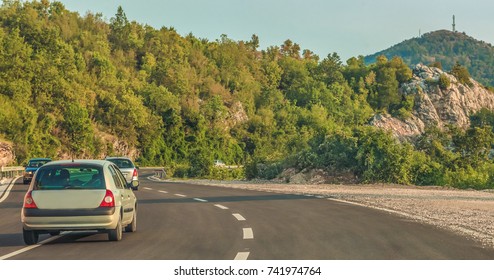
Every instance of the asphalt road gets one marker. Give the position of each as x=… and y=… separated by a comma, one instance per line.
x=179, y=221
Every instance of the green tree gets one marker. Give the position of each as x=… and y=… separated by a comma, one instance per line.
x=120, y=30
x=77, y=129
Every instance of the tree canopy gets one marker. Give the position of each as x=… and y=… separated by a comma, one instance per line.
x=78, y=85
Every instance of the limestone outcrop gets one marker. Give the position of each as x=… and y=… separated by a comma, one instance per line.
x=434, y=106
x=6, y=154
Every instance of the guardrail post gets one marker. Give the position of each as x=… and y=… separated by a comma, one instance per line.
x=160, y=173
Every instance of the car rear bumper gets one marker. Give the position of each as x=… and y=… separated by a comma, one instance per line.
x=68, y=212
x=81, y=219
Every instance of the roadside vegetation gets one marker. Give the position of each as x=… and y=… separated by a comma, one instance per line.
x=183, y=102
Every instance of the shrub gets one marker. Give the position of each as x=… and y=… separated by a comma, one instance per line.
x=381, y=159
x=444, y=82
x=462, y=74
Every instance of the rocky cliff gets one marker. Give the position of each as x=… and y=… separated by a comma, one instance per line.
x=6, y=154
x=435, y=106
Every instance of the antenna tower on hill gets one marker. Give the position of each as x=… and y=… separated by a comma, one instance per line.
x=454, y=24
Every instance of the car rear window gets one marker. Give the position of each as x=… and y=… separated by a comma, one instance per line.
x=122, y=162
x=37, y=163
x=58, y=177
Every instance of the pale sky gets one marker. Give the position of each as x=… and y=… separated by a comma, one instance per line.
x=347, y=27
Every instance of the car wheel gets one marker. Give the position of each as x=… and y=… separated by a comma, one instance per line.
x=30, y=236
x=116, y=234
x=132, y=227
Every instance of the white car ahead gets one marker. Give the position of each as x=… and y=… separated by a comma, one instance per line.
x=79, y=195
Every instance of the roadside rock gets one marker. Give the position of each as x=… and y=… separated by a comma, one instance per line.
x=315, y=177
x=7, y=156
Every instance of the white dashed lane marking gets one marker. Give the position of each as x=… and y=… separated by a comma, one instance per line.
x=180, y=195
x=200, y=200
x=221, y=206
x=238, y=217
x=248, y=233
x=163, y=191
x=149, y=189
x=241, y=256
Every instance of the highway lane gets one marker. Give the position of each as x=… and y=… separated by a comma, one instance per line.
x=298, y=227
x=183, y=221
x=169, y=227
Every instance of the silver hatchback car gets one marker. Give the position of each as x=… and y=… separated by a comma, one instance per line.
x=79, y=195
x=128, y=168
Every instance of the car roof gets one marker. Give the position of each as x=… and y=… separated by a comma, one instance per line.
x=107, y=158
x=78, y=161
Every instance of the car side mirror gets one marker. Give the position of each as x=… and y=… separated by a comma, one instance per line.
x=134, y=185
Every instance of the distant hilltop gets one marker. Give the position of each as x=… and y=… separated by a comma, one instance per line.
x=446, y=48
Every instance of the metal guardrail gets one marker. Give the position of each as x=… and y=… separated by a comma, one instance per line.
x=160, y=173
x=11, y=171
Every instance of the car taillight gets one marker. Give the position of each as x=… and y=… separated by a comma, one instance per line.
x=29, y=201
x=108, y=200
x=135, y=173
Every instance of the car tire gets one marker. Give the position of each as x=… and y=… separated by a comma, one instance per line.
x=132, y=227
x=30, y=236
x=116, y=234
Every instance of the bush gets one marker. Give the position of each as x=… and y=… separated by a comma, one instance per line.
x=337, y=151
x=381, y=159
x=462, y=74
x=226, y=173
x=469, y=178
x=181, y=171
x=250, y=170
x=425, y=171
x=444, y=82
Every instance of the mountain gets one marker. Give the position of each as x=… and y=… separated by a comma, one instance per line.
x=447, y=48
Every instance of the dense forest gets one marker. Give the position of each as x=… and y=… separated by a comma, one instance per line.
x=445, y=48
x=72, y=84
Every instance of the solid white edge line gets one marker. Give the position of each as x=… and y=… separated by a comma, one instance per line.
x=200, y=200
x=221, y=206
x=372, y=207
x=149, y=189
x=242, y=256
x=248, y=233
x=238, y=217
x=31, y=247
x=9, y=188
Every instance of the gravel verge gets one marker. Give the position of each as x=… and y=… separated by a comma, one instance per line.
x=466, y=212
